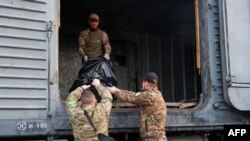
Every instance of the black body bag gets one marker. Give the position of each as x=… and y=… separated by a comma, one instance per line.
x=99, y=68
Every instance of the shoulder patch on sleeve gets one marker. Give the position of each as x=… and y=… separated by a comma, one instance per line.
x=137, y=94
x=103, y=100
x=72, y=104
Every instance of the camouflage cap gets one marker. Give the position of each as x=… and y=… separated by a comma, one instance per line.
x=151, y=77
x=94, y=16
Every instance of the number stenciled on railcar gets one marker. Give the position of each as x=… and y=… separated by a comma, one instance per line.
x=24, y=125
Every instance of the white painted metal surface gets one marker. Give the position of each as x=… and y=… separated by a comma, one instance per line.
x=24, y=59
x=237, y=46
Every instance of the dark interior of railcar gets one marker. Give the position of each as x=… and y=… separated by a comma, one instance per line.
x=145, y=35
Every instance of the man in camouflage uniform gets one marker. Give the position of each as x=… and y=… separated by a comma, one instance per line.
x=82, y=130
x=153, y=108
x=93, y=42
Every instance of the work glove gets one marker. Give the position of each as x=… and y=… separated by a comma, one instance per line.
x=85, y=86
x=106, y=55
x=85, y=58
x=113, y=89
x=96, y=82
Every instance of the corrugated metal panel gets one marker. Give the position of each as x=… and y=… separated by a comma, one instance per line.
x=23, y=59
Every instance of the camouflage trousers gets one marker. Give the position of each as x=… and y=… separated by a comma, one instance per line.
x=152, y=139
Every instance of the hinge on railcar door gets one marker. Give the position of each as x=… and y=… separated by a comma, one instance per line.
x=49, y=33
x=50, y=26
x=229, y=80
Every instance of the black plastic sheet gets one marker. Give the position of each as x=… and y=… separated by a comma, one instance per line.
x=99, y=68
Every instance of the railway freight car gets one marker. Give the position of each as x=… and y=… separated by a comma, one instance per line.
x=199, y=48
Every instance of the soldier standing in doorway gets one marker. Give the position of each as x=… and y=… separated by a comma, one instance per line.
x=95, y=50
x=93, y=42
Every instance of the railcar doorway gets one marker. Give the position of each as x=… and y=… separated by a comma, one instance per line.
x=160, y=36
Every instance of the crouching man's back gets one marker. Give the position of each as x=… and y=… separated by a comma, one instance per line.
x=99, y=113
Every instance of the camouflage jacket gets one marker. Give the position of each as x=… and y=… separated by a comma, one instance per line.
x=94, y=43
x=82, y=130
x=153, y=111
